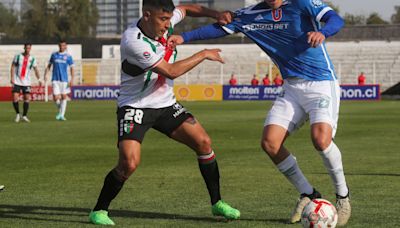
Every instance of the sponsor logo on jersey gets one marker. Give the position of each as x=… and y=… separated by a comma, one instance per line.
x=259, y=17
x=267, y=27
x=276, y=15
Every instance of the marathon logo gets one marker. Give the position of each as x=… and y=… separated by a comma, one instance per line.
x=366, y=92
x=95, y=92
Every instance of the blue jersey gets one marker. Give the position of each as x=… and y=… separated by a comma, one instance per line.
x=60, y=62
x=282, y=34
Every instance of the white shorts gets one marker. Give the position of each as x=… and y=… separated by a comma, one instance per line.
x=301, y=99
x=60, y=88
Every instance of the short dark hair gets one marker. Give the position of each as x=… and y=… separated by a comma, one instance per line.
x=62, y=41
x=27, y=44
x=164, y=5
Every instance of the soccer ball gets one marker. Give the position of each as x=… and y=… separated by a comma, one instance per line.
x=319, y=213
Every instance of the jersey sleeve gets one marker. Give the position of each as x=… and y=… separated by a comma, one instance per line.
x=314, y=8
x=142, y=54
x=15, y=60
x=70, y=61
x=52, y=57
x=234, y=26
x=177, y=16
x=34, y=63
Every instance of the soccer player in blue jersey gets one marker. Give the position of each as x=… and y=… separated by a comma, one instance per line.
x=290, y=32
x=60, y=61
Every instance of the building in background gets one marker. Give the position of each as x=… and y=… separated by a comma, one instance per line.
x=116, y=15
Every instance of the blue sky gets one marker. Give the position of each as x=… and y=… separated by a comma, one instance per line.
x=385, y=8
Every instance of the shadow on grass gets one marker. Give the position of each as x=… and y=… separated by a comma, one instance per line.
x=80, y=215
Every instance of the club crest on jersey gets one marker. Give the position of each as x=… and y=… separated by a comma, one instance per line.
x=317, y=3
x=276, y=15
x=146, y=54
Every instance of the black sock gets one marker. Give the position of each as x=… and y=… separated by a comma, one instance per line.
x=26, y=108
x=110, y=190
x=16, y=107
x=209, y=171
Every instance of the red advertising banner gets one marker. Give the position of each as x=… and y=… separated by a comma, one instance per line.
x=37, y=93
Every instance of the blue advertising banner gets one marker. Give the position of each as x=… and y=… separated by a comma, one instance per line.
x=94, y=92
x=251, y=92
x=348, y=92
x=360, y=92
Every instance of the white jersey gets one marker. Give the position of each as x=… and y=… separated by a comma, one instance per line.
x=23, y=66
x=140, y=87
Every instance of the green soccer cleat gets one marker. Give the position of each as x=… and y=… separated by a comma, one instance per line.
x=100, y=218
x=223, y=209
x=58, y=116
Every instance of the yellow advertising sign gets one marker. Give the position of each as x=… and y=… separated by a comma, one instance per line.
x=198, y=92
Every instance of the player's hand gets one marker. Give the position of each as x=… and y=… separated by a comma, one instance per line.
x=315, y=38
x=70, y=84
x=174, y=41
x=11, y=82
x=225, y=17
x=213, y=55
x=40, y=83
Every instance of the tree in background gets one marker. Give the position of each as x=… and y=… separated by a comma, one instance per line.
x=396, y=16
x=9, y=26
x=60, y=19
x=351, y=19
x=375, y=19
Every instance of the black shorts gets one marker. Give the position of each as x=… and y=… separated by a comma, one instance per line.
x=133, y=123
x=24, y=89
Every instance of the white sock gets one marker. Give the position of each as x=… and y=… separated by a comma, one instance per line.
x=333, y=163
x=63, y=107
x=292, y=172
x=58, y=105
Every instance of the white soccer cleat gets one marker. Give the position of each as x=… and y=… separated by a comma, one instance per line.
x=25, y=118
x=301, y=203
x=17, y=118
x=343, y=209
x=1, y=188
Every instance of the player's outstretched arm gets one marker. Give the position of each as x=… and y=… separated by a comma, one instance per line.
x=194, y=10
x=207, y=32
x=179, y=68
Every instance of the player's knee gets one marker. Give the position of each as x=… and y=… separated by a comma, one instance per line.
x=321, y=143
x=204, y=144
x=270, y=147
x=126, y=169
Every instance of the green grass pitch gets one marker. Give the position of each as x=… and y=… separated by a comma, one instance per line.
x=53, y=171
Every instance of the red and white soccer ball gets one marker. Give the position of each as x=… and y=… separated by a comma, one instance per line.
x=319, y=213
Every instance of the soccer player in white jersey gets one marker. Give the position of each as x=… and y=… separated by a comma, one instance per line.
x=147, y=101
x=21, y=68
x=61, y=61
x=290, y=32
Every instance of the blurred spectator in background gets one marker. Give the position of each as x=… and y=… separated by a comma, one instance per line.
x=233, y=80
x=278, y=80
x=361, y=79
x=265, y=80
x=254, y=81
